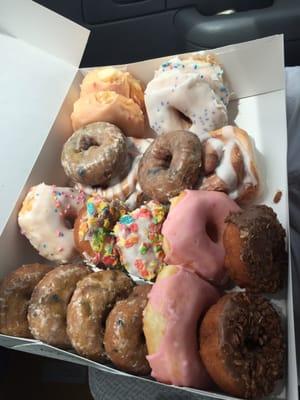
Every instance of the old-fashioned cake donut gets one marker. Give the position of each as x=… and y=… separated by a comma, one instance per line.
x=89, y=307
x=124, y=339
x=47, y=310
x=15, y=293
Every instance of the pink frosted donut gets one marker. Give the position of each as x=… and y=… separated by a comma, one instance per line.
x=170, y=326
x=193, y=232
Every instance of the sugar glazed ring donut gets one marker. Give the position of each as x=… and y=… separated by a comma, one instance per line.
x=187, y=92
x=48, y=305
x=113, y=79
x=229, y=164
x=242, y=345
x=93, y=227
x=170, y=326
x=91, y=302
x=124, y=339
x=108, y=106
x=139, y=240
x=15, y=293
x=95, y=154
x=199, y=216
x=126, y=188
x=171, y=164
x=254, y=242
x=46, y=219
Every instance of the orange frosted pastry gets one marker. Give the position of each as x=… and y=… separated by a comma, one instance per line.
x=116, y=80
x=108, y=106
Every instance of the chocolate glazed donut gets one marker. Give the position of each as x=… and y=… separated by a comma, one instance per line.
x=254, y=243
x=171, y=164
x=95, y=154
x=242, y=345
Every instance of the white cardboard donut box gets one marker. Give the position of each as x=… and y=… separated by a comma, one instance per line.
x=39, y=81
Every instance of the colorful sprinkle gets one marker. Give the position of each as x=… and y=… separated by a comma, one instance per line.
x=126, y=219
x=90, y=208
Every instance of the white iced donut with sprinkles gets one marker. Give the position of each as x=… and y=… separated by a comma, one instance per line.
x=187, y=93
x=139, y=240
x=46, y=219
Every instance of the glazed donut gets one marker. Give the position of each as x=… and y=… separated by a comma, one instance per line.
x=170, y=326
x=126, y=189
x=171, y=164
x=242, y=346
x=139, y=240
x=254, y=243
x=187, y=93
x=124, y=339
x=15, y=292
x=48, y=305
x=229, y=164
x=93, y=227
x=113, y=79
x=95, y=154
x=46, y=219
x=110, y=107
x=199, y=216
x=91, y=302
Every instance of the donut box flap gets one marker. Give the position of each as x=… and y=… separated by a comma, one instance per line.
x=256, y=75
x=41, y=52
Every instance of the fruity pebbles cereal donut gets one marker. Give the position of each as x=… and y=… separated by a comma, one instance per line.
x=139, y=240
x=93, y=231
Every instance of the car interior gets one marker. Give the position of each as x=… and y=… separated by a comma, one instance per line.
x=124, y=31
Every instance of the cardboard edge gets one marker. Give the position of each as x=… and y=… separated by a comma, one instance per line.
x=272, y=46
x=14, y=20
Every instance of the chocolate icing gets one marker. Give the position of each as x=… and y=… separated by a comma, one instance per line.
x=263, y=247
x=253, y=344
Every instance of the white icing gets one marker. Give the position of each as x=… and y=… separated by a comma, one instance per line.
x=42, y=220
x=188, y=87
x=217, y=146
x=225, y=171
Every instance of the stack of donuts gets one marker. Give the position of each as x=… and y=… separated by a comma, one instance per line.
x=158, y=258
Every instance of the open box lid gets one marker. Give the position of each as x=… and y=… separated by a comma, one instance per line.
x=41, y=52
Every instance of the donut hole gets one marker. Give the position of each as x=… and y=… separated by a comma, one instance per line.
x=251, y=344
x=69, y=220
x=186, y=120
x=164, y=156
x=212, y=231
x=167, y=160
x=86, y=142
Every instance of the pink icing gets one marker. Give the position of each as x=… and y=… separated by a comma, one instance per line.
x=182, y=299
x=186, y=232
